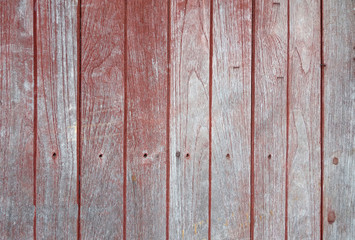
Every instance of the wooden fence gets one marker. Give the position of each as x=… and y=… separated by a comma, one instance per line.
x=177, y=119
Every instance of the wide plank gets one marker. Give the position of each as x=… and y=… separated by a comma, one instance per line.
x=146, y=99
x=189, y=122
x=304, y=124
x=270, y=119
x=231, y=119
x=339, y=120
x=102, y=112
x=56, y=165
x=16, y=120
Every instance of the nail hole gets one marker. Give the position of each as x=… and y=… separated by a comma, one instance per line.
x=228, y=156
x=269, y=157
x=187, y=155
x=236, y=67
x=177, y=154
x=54, y=155
x=100, y=156
x=331, y=217
x=276, y=3
x=335, y=161
x=145, y=155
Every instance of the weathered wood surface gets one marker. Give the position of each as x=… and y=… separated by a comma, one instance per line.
x=270, y=137
x=304, y=124
x=146, y=83
x=56, y=162
x=177, y=119
x=339, y=120
x=102, y=103
x=16, y=120
x=189, y=123
x=231, y=119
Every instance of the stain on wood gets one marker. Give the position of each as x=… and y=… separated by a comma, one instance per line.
x=270, y=136
x=17, y=133
x=189, y=121
x=231, y=119
x=338, y=119
x=56, y=163
x=146, y=96
x=102, y=113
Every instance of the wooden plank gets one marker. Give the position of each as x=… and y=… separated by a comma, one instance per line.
x=189, y=125
x=57, y=106
x=146, y=118
x=270, y=118
x=102, y=119
x=16, y=120
x=231, y=119
x=304, y=92
x=339, y=120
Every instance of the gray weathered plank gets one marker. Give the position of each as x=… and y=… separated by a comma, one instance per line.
x=56, y=168
x=16, y=120
x=270, y=118
x=339, y=120
x=189, y=122
x=102, y=24
x=231, y=119
x=304, y=128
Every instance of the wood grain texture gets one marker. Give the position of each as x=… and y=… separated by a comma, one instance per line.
x=56, y=168
x=16, y=120
x=304, y=90
x=270, y=118
x=231, y=108
x=189, y=123
x=147, y=118
x=339, y=120
x=102, y=119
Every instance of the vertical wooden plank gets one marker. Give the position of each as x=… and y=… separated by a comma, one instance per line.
x=304, y=90
x=270, y=118
x=339, y=120
x=16, y=120
x=56, y=142
x=146, y=118
x=189, y=134
x=102, y=119
x=231, y=119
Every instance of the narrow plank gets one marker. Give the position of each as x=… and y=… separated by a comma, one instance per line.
x=304, y=156
x=339, y=120
x=56, y=148
x=270, y=118
x=146, y=118
x=16, y=120
x=189, y=123
x=102, y=119
x=231, y=119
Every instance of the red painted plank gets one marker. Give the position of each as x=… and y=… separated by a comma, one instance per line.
x=339, y=119
x=270, y=118
x=146, y=118
x=231, y=119
x=102, y=24
x=56, y=148
x=189, y=124
x=304, y=90
x=16, y=120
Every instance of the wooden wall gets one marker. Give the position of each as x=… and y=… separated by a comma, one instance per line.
x=177, y=119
